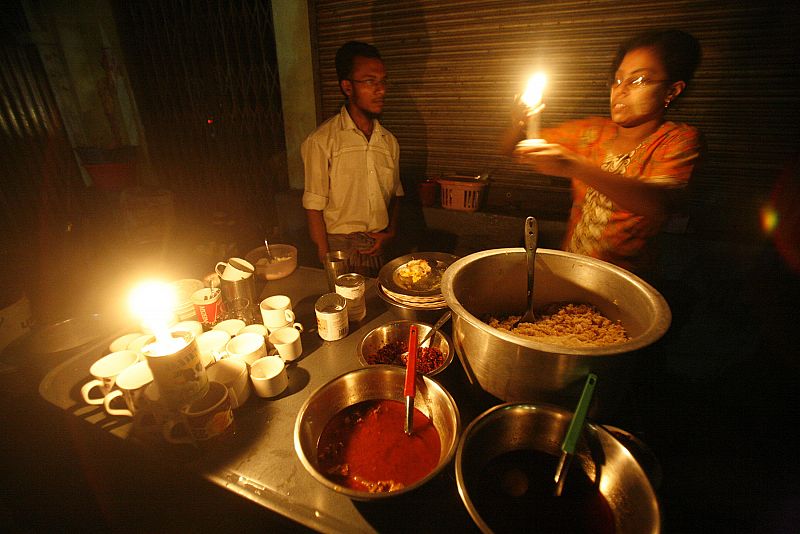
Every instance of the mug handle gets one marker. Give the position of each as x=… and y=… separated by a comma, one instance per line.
x=289, y=314
x=298, y=327
x=115, y=411
x=87, y=387
x=216, y=268
x=169, y=426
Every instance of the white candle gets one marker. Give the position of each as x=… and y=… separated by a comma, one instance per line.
x=532, y=97
x=154, y=303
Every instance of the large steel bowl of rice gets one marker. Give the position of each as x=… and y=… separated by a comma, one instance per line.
x=492, y=284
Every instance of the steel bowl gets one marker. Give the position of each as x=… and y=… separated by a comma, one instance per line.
x=370, y=383
x=541, y=427
x=519, y=369
x=398, y=331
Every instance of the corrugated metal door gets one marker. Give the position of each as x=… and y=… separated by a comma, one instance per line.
x=40, y=183
x=455, y=66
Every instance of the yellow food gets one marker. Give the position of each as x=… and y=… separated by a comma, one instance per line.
x=416, y=270
x=576, y=325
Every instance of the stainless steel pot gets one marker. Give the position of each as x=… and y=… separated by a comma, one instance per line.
x=541, y=427
x=514, y=368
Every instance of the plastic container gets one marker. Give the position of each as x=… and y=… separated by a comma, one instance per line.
x=286, y=256
x=461, y=194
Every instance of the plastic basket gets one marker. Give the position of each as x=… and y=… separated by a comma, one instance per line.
x=461, y=195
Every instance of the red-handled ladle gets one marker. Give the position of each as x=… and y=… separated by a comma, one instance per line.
x=411, y=374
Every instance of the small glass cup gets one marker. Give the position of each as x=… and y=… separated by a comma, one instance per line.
x=240, y=309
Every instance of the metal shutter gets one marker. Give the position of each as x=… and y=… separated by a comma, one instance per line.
x=455, y=66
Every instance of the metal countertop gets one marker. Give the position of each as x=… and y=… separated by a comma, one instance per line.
x=257, y=460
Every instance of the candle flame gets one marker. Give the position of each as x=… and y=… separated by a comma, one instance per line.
x=532, y=96
x=154, y=303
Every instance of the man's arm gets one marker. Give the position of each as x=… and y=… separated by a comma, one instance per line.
x=318, y=232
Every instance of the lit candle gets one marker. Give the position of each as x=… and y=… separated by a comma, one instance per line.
x=532, y=97
x=154, y=303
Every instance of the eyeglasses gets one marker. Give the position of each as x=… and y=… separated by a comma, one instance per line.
x=372, y=83
x=632, y=82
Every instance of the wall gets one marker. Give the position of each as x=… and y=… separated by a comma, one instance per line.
x=298, y=94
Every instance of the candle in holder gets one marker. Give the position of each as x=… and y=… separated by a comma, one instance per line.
x=173, y=357
x=532, y=97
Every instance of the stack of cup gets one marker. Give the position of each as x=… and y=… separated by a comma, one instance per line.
x=276, y=312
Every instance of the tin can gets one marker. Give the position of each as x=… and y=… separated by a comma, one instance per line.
x=331, y=310
x=179, y=373
x=352, y=287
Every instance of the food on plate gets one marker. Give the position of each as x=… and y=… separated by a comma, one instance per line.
x=415, y=270
x=364, y=447
x=568, y=324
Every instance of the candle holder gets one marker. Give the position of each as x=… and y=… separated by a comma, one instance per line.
x=179, y=372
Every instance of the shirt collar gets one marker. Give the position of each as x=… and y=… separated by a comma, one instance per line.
x=348, y=124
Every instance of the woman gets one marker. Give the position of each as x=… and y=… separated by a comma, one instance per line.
x=628, y=171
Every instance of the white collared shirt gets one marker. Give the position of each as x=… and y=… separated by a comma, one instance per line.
x=351, y=180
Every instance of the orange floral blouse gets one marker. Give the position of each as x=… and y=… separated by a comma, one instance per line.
x=599, y=228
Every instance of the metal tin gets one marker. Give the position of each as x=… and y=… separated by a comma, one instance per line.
x=180, y=375
x=352, y=286
x=331, y=311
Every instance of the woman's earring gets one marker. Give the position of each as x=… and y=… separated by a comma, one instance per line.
x=666, y=103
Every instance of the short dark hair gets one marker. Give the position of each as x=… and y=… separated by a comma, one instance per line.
x=679, y=51
x=347, y=53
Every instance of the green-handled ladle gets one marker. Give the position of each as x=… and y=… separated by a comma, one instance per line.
x=574, y=432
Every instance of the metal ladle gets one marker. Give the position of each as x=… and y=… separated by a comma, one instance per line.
x=432, y=332
x=269, y=254
x=531, y=242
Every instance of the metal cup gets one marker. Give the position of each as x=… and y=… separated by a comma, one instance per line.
x=336, y=264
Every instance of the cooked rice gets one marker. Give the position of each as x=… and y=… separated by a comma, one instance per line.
x=576, y=325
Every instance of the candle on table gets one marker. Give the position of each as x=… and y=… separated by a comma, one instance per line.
x=532, y=97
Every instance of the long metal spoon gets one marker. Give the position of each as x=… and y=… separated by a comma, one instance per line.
x=531, y=242
x=432, y=332
x=266, y=245
x=573, y=433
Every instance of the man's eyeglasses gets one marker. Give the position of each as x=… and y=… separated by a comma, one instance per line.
x=372, y=83
x=632, y=82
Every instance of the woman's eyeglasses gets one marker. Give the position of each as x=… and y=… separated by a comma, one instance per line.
x=372, y=83
x=632, y=82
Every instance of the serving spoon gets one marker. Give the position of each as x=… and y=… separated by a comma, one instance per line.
x=573, y=433
x=531, y=242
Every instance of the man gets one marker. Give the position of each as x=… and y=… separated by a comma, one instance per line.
x=352, y=173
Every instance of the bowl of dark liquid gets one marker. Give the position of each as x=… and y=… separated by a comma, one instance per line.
x=506, y=460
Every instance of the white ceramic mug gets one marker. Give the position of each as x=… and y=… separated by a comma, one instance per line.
x=231, y=326
x=256, y=328
x=234, y=269
x=211, y=345
x=203, y=419
x=232, y=373
x=248, y=347
x=122, y=342
x=287, y=341
x=276, y=311
x=195, y=327
x=105, y=372
x=131, y=383
x=269, y=376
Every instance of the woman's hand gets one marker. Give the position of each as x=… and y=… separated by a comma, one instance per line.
x=548, y=158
